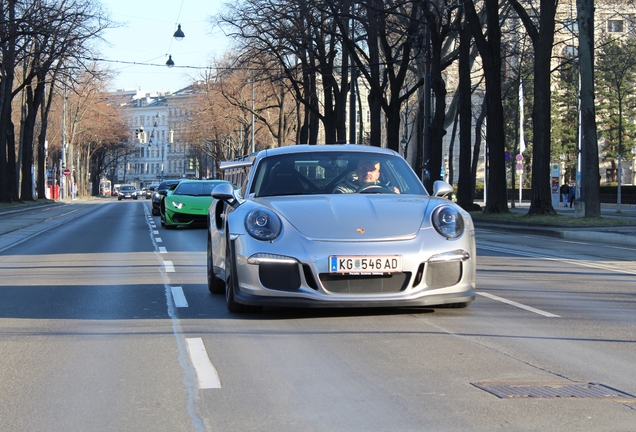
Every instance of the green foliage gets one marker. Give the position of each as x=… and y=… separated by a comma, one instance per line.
x=616, y=96
x=565, y=117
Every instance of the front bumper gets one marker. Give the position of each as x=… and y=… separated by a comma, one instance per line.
x=434, y=272
x=185, y=219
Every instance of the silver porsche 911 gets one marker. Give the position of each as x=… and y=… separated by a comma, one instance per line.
x=336, y=226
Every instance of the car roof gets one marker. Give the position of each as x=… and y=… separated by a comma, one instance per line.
x=205, y=181
x=306, y=148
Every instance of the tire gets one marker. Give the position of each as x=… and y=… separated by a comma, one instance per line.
x=215, y=285
x=166, y=225
x=231, y=304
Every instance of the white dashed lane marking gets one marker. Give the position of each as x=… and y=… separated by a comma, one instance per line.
x=178, y=297
x=207, y=376
x=168, y=266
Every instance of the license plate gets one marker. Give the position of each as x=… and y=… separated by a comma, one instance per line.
x=365, y=264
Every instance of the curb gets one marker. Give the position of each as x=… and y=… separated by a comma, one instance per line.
x=586, y=235
x=601, y=237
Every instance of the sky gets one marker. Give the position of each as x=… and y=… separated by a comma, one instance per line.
x=145, y=36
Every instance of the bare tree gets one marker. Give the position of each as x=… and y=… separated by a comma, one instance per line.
x=490, y=51
x=301, y=39
x=43, y=36
x=540, y=28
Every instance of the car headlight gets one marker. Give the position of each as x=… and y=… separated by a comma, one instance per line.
x=448, y=221
x=178, y=205
x=263, y=224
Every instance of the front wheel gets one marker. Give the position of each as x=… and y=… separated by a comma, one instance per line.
x=232, y=305
x=215, y=285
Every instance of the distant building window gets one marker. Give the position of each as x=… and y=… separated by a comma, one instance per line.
x=615, y=26
x=570, y=51
x=571, y=25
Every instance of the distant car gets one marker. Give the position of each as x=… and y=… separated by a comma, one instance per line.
x=116, y=190
x=127, y=191
x=337, y=226
x=157, y=195
x=150, y=190
x=187, y=203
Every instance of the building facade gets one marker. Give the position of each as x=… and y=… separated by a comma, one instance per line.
x=159, y=149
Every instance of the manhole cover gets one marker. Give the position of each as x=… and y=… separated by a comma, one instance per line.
x=552, y=390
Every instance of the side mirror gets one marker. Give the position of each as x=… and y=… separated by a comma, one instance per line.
x=223, y=192
x=441, y=188
x=162, y=192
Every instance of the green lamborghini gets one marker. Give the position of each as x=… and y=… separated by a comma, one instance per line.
x=187, y=203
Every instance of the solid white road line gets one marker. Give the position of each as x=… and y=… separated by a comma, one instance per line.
x=519, y=305
x=168, y=266
x=207, y=375
x=178, y=297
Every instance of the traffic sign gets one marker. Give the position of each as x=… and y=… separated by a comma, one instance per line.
x=520, y=167
x=67, y=172
x=507, y=156
x=519, y=157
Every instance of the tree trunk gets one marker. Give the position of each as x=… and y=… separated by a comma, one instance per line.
x=7, y=138
x=465, y=180
x=590, y=193
x=490, y=50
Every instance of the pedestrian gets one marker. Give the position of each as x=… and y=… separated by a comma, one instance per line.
x=572, y=194
x=565, y=194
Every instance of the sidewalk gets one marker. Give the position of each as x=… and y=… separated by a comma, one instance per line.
x=18, y=207
x=618, y=235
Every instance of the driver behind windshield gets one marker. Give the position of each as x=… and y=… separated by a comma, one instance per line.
x=365, y=177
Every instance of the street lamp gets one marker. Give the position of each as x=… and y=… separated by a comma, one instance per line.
x=169, y=63
x=179, y=35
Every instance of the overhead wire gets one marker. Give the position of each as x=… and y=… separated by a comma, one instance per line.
x=176, y=25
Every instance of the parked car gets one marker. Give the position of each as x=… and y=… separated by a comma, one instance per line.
x=187, y=203
x=127, y=191
x=337, y=226
x=158, y=194
x=150, y=190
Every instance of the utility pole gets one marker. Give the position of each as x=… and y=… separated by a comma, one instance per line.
x=63, y=164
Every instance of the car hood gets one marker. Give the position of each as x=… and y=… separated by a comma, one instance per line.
x=350, y=217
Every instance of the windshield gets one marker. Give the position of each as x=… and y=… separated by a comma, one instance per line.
x=201, y=188
x=334, y=173
x=127, y=188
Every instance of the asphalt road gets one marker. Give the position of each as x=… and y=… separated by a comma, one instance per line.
x=106, y=324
